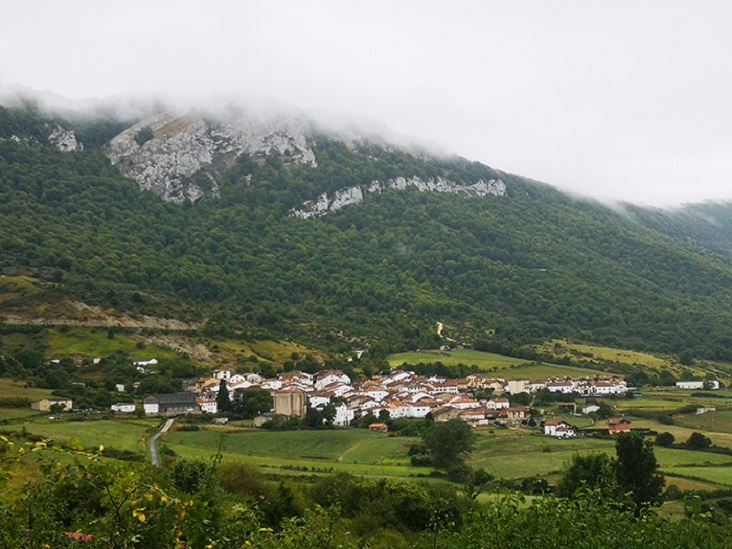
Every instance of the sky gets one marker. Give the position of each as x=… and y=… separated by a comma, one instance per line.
x=619, y=100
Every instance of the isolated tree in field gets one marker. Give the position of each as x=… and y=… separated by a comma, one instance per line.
x=665, y=439
x=595, y=471
x=449, y=442
x=697, y=441
x=637, y=470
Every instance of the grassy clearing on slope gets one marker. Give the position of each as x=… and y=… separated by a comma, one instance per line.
x=503, y=366
x=276, y=352
x=95, y=342
x=690, y=484
x=682, y=433
x=719, y=422
x=596, y=353
x=519, y=454
x=716, y=475
x=10, y=388
x=14, y=414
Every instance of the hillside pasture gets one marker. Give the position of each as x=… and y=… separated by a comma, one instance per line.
x=578, y=352
x=716, y=475
x=718, y=421
x=502, y=366
x=16, y=389
x=275, y=352
x=95, y=342
x=350, y=450
x=119, y=434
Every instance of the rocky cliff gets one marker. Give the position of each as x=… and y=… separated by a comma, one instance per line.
x=325, y=204
x=171, y=154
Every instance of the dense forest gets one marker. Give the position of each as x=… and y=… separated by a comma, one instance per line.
x=532, y=265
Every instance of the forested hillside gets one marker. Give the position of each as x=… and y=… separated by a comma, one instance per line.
x=514, y=269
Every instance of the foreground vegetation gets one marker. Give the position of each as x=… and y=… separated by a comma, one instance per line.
x=225, y=504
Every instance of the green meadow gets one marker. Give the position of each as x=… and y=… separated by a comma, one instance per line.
x=503, y=366
x=120, y=434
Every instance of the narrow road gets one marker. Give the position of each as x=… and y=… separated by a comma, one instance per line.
x=439, y=332
x=153, y=442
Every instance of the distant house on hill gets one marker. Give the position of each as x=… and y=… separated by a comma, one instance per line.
x=379, y=427
x=559, y=429
x=617, y=425
x=697, y=385
x=63, y=404
x=123, y=407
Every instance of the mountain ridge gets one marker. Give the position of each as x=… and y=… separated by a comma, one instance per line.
x=532, y=265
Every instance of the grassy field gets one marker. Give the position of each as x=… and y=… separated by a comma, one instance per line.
x=717, y=475
x=276, y=352
x=682, y=433
x=350, y=450
x=514, y=454
x=590, y=353
x=94, y=342
x=16, y=414
x=503, y=366
x=719, y=422
x=690, y=484
x=119, y=434
x=10, y=388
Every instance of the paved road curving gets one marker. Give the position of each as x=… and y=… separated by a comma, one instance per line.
x=153, y=442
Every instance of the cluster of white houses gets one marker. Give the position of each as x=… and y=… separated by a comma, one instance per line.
x=401, y=394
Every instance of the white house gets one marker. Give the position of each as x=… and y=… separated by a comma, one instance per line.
x=615, y=387
x=537, y=386
x=208, y=403
x=376, y=393
x=516, y=386
x=123, y=408
x=397, y=409
x=141, y=365
x=418, y=410
x=328, y=377
x=497, y=403
x=397, y=376
x=696, y=385
x=559, y=429
x=338, y=388
x=222, y=374
x=463, y=403
x=318, y=399
x=343, y=416
x=565, y=386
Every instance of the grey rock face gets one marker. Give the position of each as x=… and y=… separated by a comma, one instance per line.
x=65, y=140
x=176, y=148
x=325, y=204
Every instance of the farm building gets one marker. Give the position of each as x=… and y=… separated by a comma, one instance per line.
x=178, y=403
x=64, y=404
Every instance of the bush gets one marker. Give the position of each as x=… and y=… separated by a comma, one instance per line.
x=665, y=439
x=242, y=479
x=697, y=441
x=664, y=419
x=144, y=135
x=418, y=460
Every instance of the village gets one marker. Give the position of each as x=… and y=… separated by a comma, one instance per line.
x=476, y=399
